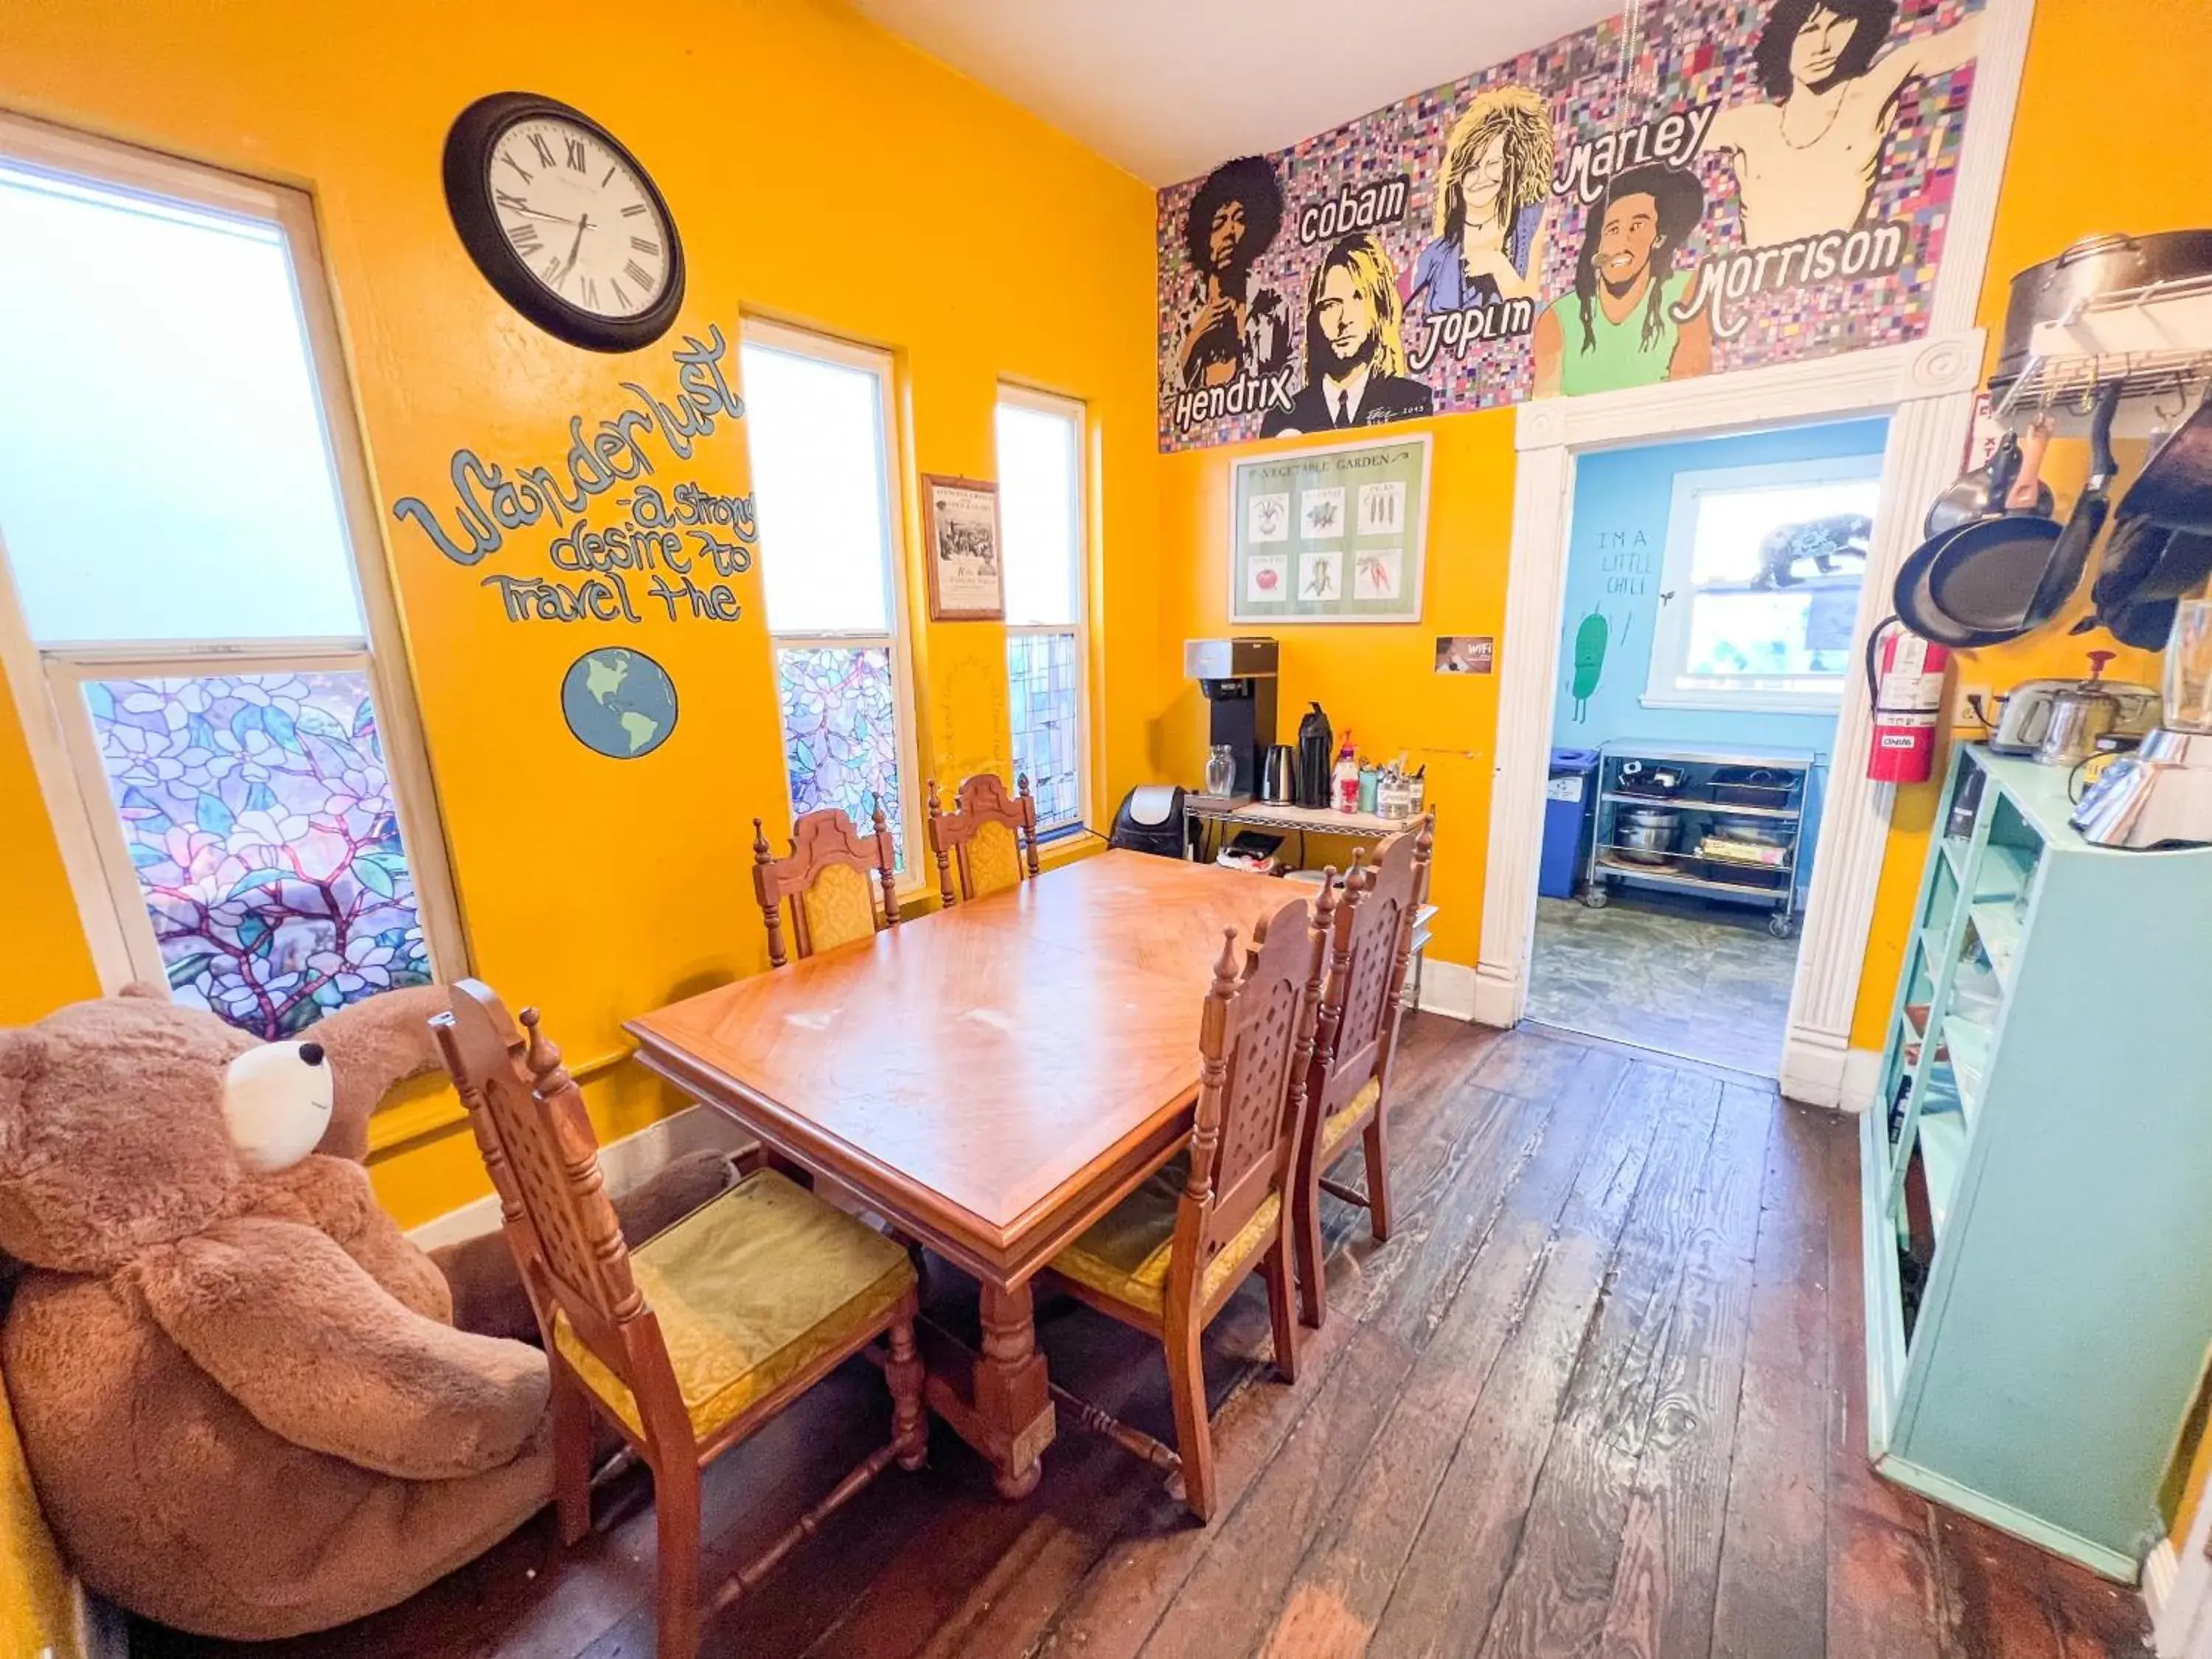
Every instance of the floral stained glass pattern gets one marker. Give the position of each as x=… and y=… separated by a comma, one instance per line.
x=1044, y=697
x=841, y=731
x=258, y=816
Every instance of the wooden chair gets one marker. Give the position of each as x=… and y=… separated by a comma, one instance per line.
x=1168, y=1257
x=1371, y=938
x=992, y=836
x=830, y=878
x=699, y=1336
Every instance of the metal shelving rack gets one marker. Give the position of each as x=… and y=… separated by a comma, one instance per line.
x=1784, y=801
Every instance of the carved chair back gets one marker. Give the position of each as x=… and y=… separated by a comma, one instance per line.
x=989, y=834
x=1255, y=1049
x=840, y=885
x=538, y=1143
x=1370, y=943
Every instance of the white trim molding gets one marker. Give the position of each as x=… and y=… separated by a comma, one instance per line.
x=1927, y=389
x=1449, y=988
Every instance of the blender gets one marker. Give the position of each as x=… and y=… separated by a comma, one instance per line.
x=2161, y=795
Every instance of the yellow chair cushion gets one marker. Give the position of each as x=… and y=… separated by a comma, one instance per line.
x=1339, y=1126
x=995, y=860
x=838, y=907
x=751, y=1290
x=1123, y=1255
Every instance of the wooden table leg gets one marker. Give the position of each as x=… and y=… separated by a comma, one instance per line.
x=999, y=1400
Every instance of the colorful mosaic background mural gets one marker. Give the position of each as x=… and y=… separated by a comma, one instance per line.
x=1773, y=184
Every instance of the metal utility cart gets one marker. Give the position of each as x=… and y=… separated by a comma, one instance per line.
x=1723, y=824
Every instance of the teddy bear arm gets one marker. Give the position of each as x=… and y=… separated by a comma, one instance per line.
x=333, y=1197
x=294, y=1329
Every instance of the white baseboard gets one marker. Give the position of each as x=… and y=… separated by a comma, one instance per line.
x=625, y=1163
x=1448, y=987
x=2160, y=1567
x=1862, y=1078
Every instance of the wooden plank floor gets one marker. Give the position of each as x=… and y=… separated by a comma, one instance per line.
x=1602, y=1394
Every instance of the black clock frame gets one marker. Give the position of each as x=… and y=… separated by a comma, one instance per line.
x=469, y=199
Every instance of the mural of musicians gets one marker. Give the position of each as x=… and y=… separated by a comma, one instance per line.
x=1355, y=352
x=1617, y=328
x=1492, y=196
x=1232, y=221
x=1805, y=154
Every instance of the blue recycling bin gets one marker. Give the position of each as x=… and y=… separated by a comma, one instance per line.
x=1569, y=799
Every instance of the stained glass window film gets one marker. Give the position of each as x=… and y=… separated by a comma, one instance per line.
x=841, y=731
x=258, y=813
x=1044, y=689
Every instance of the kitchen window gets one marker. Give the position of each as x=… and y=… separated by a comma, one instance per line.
x=192, y=612
x=1042, y=516
x=1760, y=589
x=819, y=420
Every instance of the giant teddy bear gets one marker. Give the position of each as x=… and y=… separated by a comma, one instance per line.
x=246, y=1408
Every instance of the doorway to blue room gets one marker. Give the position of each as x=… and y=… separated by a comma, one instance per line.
x=1710, y=590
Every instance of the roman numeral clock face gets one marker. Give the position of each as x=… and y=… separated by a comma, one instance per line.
x=564, y=222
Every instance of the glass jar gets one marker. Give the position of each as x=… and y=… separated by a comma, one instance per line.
x=1220, y=769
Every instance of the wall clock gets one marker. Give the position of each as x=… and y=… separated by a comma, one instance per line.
x=563, y=222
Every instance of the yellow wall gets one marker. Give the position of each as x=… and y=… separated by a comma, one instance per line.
x=38, y=1610
x=1380, y=682
x=820, y=172
x=2111, y=102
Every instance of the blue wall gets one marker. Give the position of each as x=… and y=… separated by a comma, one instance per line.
x=1622, y=499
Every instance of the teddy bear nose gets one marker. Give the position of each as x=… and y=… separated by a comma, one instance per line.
x=312, y=1052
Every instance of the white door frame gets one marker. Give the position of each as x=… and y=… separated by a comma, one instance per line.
x=1927, y=388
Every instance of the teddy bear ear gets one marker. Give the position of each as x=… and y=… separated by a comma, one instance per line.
x=146, y=988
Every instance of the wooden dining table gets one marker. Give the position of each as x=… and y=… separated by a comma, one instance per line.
x=989, y=1078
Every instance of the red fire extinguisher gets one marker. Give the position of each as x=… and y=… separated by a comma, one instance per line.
x=1904, y=678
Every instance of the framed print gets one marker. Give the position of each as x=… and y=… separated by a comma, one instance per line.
x=960, y=529
x=1332, y=535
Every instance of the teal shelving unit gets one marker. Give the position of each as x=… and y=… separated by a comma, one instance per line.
x=2038, y=1172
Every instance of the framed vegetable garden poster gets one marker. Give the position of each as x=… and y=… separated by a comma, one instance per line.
x=1333, y=535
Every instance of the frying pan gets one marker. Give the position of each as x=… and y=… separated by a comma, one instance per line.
x=2141, y=615
x=1984, y=575
x=2070, y=556
x=2175, y=486
x=2014, y=471
x=1976, y=494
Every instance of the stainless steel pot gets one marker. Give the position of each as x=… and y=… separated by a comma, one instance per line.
x=1646, y=835
x=2094, y=265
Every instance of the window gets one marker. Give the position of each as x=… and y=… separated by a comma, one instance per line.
x=237, y=785
x=1761, y=585
x=818, y=415
x=1040, y=517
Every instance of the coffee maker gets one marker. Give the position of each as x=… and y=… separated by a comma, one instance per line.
x=2161, y=795
x=1238, y=679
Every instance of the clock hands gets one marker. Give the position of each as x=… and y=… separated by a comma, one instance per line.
x=574, y=247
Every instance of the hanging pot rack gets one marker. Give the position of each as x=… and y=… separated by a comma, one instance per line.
x=2155, y=340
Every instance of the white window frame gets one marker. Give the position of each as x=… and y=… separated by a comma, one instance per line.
x=871, y=360
x=1072, y=409
x=1670, y=639
x=47, y=680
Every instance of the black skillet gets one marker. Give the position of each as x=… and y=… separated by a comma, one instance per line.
x=2015, y=478
x=1984, y=575
x=2175, y=486
x=2071, y=557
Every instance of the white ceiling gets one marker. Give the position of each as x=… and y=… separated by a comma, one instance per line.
x=1170, y=88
